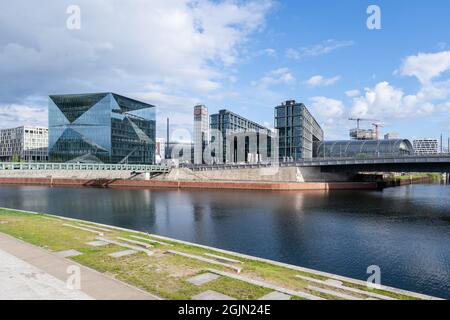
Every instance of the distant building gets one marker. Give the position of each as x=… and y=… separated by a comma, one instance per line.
x=201, y=132
x=181, y=151
x=364, y=148
x=160, y=148
x=298, y=131
x=391, y=136
x=426, y=146
x=101, y=127
x=24, y=144
x=243, y=140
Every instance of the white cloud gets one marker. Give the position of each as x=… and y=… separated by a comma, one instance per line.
x=352, y=93
x=275, y=77
x=426, y=66
x=386, y=101
x=270, y=52
x=319, y=49
x=326, y=107
x=16, y=115
x=186, y=47
x=320, y=81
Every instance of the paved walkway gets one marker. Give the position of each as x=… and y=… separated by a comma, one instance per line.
x=30, y=272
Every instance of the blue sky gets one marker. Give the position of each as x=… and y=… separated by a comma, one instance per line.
x=247, y=56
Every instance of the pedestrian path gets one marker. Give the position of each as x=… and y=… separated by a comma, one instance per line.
x=30, y=272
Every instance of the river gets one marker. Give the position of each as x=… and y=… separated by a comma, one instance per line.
x=405, y=230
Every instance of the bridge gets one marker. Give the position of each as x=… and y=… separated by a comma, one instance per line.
x=26, y=166
x=427, y=163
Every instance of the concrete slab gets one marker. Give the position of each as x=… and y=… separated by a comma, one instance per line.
x=267, y=285
x=334, y=293
x=211, y=295
x=94, y=284
x=203, y=278
x=125, y=245
x=153, y=241
x=139, y=243
x=339, y=285
x=23, y=281
x=122, y=253
x=68, y=253
x=84, y=229
x=97, y=243
x=93, y=227
x=222, y=258
x=275, y=295
x=200, y=258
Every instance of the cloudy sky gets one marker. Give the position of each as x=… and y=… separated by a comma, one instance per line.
x=247, y=56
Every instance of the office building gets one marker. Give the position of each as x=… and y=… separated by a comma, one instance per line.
x=426, y=146
x=101, y=127
x=201, y=132
x=298, y=131
x=243, y=141
x=24, y=144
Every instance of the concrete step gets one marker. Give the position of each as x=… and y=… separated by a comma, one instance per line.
x=126, y=245
x=340, y=286
x=142, y=244
x=200, y=258
x=334, y=293
x=222, y=258
x=267, y=285
x=152, y=241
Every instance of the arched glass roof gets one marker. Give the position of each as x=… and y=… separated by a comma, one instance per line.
x=364, y=148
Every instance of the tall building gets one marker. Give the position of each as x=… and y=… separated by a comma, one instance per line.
x=426, y=146
x=101, y=127
x=24, y=144
x=298, y=132
x=242, y=140
x=201, y=132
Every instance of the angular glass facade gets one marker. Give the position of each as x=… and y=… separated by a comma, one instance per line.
x=101, y=127
x=232, y=126
x=298, y=131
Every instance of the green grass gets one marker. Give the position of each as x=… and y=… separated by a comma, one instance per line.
x=162, y=274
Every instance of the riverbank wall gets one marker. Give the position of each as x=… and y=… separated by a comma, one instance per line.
x=274, y=178
x=119, y=183
x=409, y=180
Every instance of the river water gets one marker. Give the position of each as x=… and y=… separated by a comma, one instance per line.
x=405, y=230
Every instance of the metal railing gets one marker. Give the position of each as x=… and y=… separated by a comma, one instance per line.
x=83, y=167
x=316, y=162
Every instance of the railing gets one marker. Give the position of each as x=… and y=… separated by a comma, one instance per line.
x=83, y=167
x=315, y=162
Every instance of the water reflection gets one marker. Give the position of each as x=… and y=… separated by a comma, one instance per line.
x=406, y=231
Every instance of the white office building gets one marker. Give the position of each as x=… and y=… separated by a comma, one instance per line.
x=426, y=146
x=201, y=132
x=24, y=144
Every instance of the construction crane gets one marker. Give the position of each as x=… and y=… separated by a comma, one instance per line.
x=364, y=134
x=358, y=121
x=377, y=127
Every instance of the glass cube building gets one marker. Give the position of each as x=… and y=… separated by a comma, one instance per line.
x=102, y=128
x=298, y=132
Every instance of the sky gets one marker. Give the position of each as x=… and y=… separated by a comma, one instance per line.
x=245, y=56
